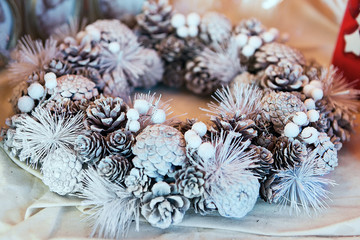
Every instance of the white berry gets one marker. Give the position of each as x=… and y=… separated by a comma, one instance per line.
x=291, y=130
x=142, y=106
x=178, y=20
x=193, y=31
x=309, y=135
x=241, y=40
x=248, y=50
x=49, y=76
x=25, y=104
x=114, y=47
x=316, y=83
x=313, y=115
x=182, y=32
x=200, y=128
x=193, y=19
x=132, y=114
x=159, y=116
x=309, y=104
x=307, y=90
x=274, y=31
x=317, y=94
x=194, y=141
x=36, y=91
x=188, y=134
x=206, y=151
x=300, y=118
x=268, y=37
x=134, y=126
x=255, y=41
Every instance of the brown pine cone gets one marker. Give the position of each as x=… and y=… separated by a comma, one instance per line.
x=185, y=126
x=174, y=74
x=288, y=153
x=266, y=186
x=266, y=140
x=249, y=27
x=106, y=115
x=90, y=147
x=58, y=66
x=114, y=168
x=265, y=163
x=120, y=142
x=285, y=76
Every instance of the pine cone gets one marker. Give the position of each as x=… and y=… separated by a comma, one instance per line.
x=266, y=186
x=174, y=75
x=114, y=168
x=75, y=87
x=155, y=70
x=161, y=208
x=266, y=140
x=203, y=205
x=285, y=76
x=115, y=87
x=137, y=182
x=250, y=27
x=273, y=53
x=279, y=106
x=158, y=149
x=66, y=106
x=154, y=22
x=327, y=153
x=106, y=115
x=288, y=153
x=90, y=147
x=120, y=142
x=190, y=182
x=58, y=66
x=61, y=172
x=215, y=28
x=266, y=161
x=183, y=127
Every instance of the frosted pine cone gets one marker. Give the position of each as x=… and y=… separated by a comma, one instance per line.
x=203, y=204
x=114, y=168
x=58, y=66
x=327, y=153
x=236, y=201
x=215, y=28
x=341, y=124
x=106, y=114
x=90, y=147
x=137, y=182
x=75, y=87
x=114, y=86
x=285, y=76
x=266, y=161
x=154, y=22
x=161, y=208
x=61, y=172
x=66, y=106
x=245, y=127
x=174, y=75
x=155, y=69
x=190, y=182
x=288, y=153
x=158, y=149
x=120, y=142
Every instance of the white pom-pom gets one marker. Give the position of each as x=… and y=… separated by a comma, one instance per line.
x=25, y=104
x=49, y=76
x=317, y=94
x=134, y=126
x=310, y=135
x=200, y=128
x=241, y=40
x=193, y=31
x=316, y=83
x=255, y=41
x=268, y=37
x=114, y=47
x=313, y=115
x=132, y=114
x=309, y=104
x=36, y=90
x=159, y=116
x=93, y=32
x=300, y=118
x=206, y=151
x=291, y=130
x=194, y=141
x=182, y=32
x=248, y=51
x=193, y=19
x=307, y=90
x=188, y=134
x=274, y=31
x=142, y=106
x=178, y=20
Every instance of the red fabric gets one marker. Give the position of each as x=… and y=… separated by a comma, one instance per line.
x=348, y=63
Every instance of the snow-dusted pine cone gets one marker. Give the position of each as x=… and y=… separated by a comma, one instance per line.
x=246, y=128
x=155, y=71
x=273, y=53
x=327, y=153
x=114, y=168
x=279, y=106
x=250, y=27
x=190, y=182
x=137, y=182
x=90, y=147
x=266, y=162
x=161, y=208
x=203, y=204
x=75, y=87
x=7, y=136
x=288, y=152
x=236, y=201
x=113, y=86
x=215, y=28
x=154, y=23
x=285, y=76
x=106, y=114
x=67, y=106
x=174, y=74
x=266, y=186
x=120, y=142
x=58, y=66
x=61, y=172
x=158, y=149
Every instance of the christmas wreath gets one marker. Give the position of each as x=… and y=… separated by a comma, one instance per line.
x=275, y=126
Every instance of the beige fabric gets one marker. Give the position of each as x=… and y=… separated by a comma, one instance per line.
x=29, y=211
